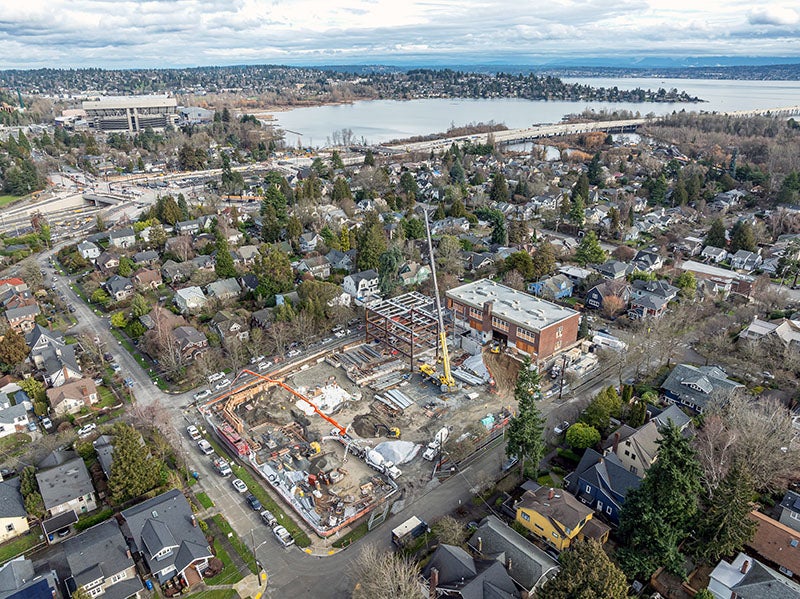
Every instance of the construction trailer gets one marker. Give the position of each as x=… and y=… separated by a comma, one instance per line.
x=407, y=324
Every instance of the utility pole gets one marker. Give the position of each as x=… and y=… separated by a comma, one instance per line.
x=563, y=369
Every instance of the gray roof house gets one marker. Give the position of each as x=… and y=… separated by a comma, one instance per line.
x=13, y=515
x=18, y=580
x=122, y=238
x=177, y=271
x=453, y=572
x=119, y=288
x=146, y=257
x=67, y=487
x=746, y=261
x=98, y=558
x=747, y=578
x=190, y=341
x=226, y=289
x=340, y=260
x=59, y=364
x=88, y=250
x=531, y=566
x=13, y=419
x=190, y=299
x=613, y=269
x=790, y=510
x=694, y=386
x=165, y=532
x=22, y=319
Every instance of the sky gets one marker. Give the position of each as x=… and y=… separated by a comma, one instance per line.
x=174, y=33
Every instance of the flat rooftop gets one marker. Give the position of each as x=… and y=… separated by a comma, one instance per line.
x=114, y=102
x=713, y=271
x=511, y=305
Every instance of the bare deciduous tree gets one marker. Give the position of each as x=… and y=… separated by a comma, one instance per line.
x=715, y=446
x=449, y=531
x=379, y=575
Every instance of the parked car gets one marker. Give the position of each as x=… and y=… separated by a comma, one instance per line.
x=222, y=466
x=202, y=394
x=239, y=485
x=116, y=367
x=268, y=519
x=283, y=536
x=253, y=502
x=561, y=428
x=294, y=353
x=194, y=434
x=205, y=447
x=107, y=357
x=264, y=365
x=215, y=377
x=510, y=462
x=222, y=384
x=86, y=430
x=72, y=309
x=128, y=382
x=47, y=423
x=32, y=427
x=256, y=359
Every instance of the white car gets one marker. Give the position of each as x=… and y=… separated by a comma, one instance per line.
x=257, y=359
x=194, y=434
x=283, y=536
x=215, y=377
x=85, y=431
x=339, y=334
x=202, y=394
x=294, y=353
x=239, y=485
x=222, y=384
x=561, y=428
x=264, y=365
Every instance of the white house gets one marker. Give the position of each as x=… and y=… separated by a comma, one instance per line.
x=362, y=285
x=88, y=250
x=190, y=299
x=712, y=254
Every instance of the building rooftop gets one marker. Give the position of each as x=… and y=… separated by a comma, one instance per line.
x=113, y=102
x=64, y=483
x=509, y=304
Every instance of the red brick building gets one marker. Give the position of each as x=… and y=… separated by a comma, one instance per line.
x=495, y=312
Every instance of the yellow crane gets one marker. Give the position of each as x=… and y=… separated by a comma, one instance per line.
x=448, y=383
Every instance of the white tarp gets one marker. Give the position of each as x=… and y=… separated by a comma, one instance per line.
x=399, y=452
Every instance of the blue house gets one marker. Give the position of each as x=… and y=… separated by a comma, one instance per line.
x=555, y=287
x=602, y=482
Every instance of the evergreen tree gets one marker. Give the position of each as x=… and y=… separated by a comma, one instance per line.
x=723, y=527
x=577, y=212
x=586, y=572
x=716, y=234
x=274, y=197
x=183, y=207
x=680, y=196
x=439, y=214
x=294, y=229
x=369, y=158
x=13, y=350
x=742, y=237
x=388, y=264
x=457, y=174
x=371, y=242
x=544, y=260
x=581, y=188
x=133, y=470
x=499, y=190
x=139, y=306
x=336, y=160
x=224, y=261
x=658, y=516
x=589, y=250
x=341, y=191
x=595, y=171
x=526, y=429
x=169, y=211
x=274, y=272
x=598, y=413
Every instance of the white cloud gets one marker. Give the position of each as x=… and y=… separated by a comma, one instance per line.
x=79, y=33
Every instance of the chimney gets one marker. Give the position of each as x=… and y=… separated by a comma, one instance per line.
x=194, y=521
x=745, y=566
x=508, y=564
x=551, y=493
x=480, y=545
x=616, y=441
x=128, y=553
x=434, y=583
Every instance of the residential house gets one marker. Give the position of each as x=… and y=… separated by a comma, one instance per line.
x=690, y=246
x=122, y=238
x=148, y=257
x=248, y=254
x=13, y=419
x=190, y=299
x=747, y=578
x=362, y=286
x=597, y=295
x=119, y=288
x=552, y=288
x=100, y=563
x=476, y=261
x=107, y=262
x=660, y=288
x=164, y=531
x=695, y=386
x=746, y=261
x=39, y=339
x=647, y=261
x=177, y=272
x=452, y=572
x=713, y=254
x=188, y=227
x=13, y=515
x=413, y=273
x=22, y=319
x=775, y=544
x=262, y=318
x=450, y=224
x=147, y=278
x=788, y=331
x=309, y=242
x=575, y=274
x=721, y=279
x=72, y=396
x=190, y=341
x=59, y=365
x=790, y=510
x=230, y=326
x=19, y=580
x=88, y=251
x=318, y=266
x=224, y=290
x=527, y=565
x=647, y=305
x=557, y=518
x=203, y=262
x=340, y=260
x=602, y=483
x=67, y=486
x=614, y=269
x=248, y=282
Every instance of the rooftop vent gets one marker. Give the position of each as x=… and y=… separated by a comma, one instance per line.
x=154, y=513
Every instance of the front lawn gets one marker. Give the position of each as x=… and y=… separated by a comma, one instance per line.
x=12, y=443
x=241, y=548
x=204, y=500
x=229, y=574
x=216, y=594
x=18, y=546
x=5, y=200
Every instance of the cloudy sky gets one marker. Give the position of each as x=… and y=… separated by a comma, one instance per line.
x=163, y=33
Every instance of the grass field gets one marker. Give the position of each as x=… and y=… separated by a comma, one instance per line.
x=215, y=594
x=19, y=545
x=6, y=200
x=229, y=574
x=241, y=548
x=204, y=500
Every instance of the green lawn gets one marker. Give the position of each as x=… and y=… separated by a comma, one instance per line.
x=18, y=546
x=300, y=537
x=107, y=398
x=229, y=574
x=12, y=443
x=6, y=200
x=241, y=548
x=204, y=500
x=215, y=594
x=352, y=536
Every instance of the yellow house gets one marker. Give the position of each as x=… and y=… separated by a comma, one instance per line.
x=13, y=517
x=558, y=518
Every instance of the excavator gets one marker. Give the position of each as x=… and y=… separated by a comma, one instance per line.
x=389, y=431
x=446, y=381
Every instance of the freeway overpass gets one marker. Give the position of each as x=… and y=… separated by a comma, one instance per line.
x=785, y=111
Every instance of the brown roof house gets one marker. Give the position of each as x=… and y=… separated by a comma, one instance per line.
x=70, y=397
x=147, y=278
x=191, y=341
x=776, y=545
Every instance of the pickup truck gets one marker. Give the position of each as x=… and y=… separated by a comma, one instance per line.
x=221, y=465
x=205, y=447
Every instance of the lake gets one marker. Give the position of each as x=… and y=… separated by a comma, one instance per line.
x=379, y=121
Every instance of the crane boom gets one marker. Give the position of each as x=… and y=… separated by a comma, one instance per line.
x=446, y=379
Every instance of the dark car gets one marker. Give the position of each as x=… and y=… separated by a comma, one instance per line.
x=253, y=502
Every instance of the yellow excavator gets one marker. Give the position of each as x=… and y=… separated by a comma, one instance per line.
x=446, y=380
